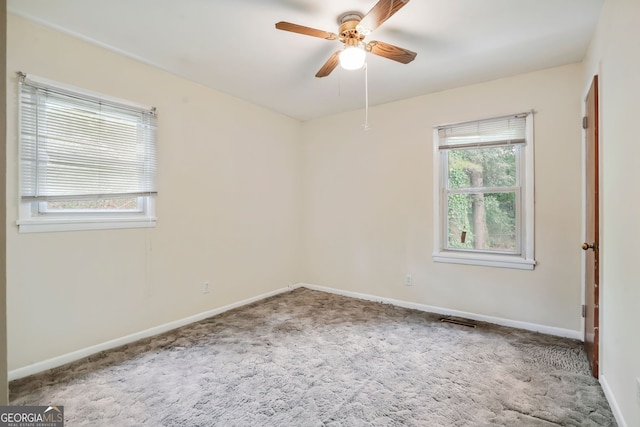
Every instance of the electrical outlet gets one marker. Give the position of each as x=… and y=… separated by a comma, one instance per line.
x=205, y=288
x=408, y=281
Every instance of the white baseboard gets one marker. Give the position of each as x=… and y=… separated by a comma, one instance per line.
x=550, y=330
x=617, y=413
x=82, y=353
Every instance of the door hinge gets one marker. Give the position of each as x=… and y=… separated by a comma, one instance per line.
x=584, y=310
x=585, y=122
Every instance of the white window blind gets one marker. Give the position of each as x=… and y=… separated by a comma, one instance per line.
x=492, y=132
x=74, y=146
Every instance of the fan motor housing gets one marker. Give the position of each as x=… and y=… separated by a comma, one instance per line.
x=348, y=31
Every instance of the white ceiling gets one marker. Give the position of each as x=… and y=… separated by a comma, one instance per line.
x=233, y=46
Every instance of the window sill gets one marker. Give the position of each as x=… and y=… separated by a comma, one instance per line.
x=75, y=224
x=501, y=261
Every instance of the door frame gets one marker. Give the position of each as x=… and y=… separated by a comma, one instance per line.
x=585, y=93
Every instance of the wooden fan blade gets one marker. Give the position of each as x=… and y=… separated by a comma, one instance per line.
x=390, y=51
x=330, y=65
x=295, y=28
x=379, y=13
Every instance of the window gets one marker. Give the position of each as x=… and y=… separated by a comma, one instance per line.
x=86, y=161
x=484, y=192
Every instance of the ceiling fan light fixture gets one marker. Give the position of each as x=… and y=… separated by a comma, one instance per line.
x=353, y=28
x=353, y=57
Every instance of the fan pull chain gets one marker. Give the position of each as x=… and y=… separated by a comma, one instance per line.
x=365, y=126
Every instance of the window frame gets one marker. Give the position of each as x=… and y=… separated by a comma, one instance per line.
x=524, y=207
x=33, y=215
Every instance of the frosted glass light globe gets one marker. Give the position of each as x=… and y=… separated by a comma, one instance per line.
x=352, y=58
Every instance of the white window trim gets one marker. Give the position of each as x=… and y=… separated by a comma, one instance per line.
x=524, y=261
x=31, y=221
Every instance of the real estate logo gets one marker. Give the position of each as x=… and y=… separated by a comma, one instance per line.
x=31, y=416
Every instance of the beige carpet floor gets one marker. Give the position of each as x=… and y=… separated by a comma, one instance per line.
x=307, y=358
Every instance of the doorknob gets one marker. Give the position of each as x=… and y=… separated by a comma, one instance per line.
x=586, y=246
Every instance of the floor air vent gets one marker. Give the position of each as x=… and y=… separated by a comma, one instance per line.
x=459, y=321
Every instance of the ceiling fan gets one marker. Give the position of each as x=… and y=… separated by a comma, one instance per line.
x=354, y=27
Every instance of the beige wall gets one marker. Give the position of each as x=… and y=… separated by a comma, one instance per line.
x=368, y=202
x=227, y=210
x=614, y=55
x=4, y=391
